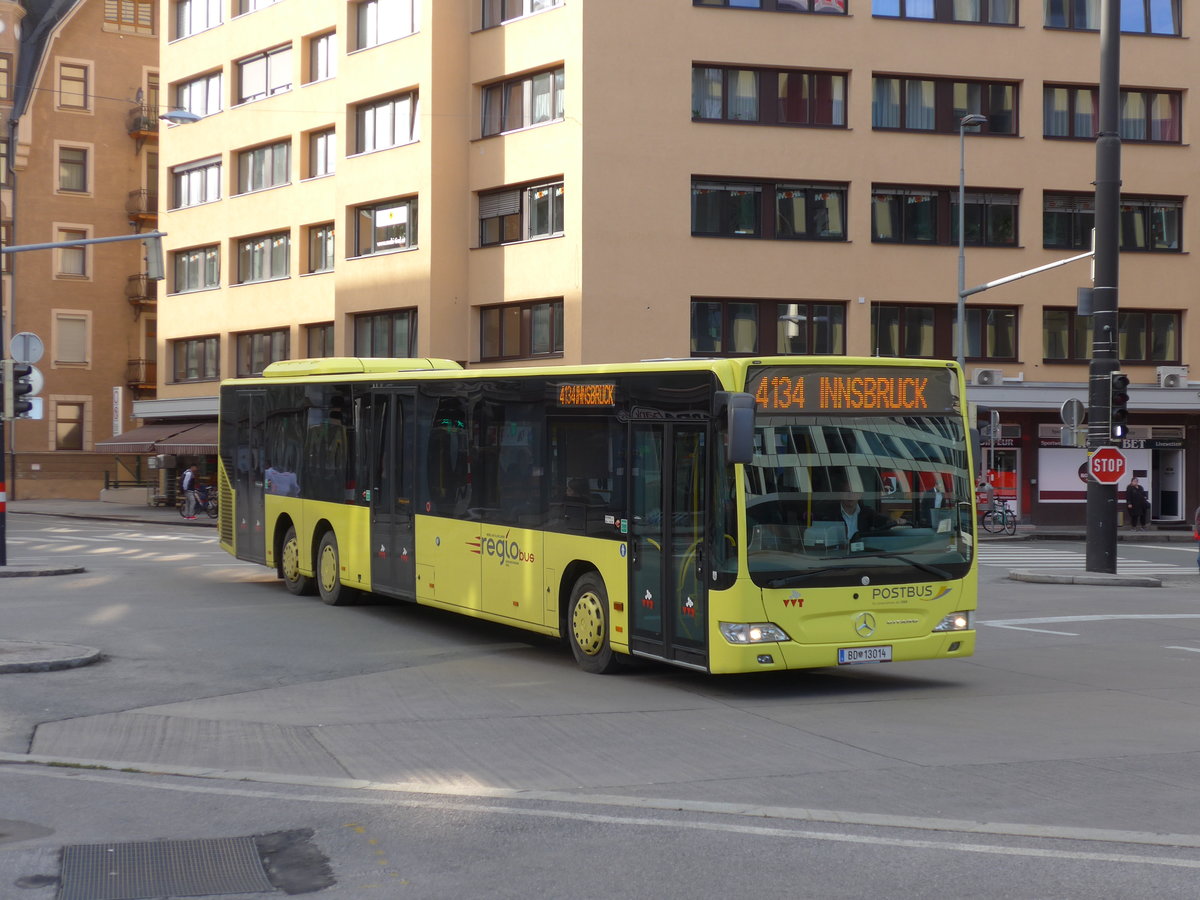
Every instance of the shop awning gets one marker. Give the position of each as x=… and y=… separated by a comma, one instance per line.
x=143, y=439
x=197, y=440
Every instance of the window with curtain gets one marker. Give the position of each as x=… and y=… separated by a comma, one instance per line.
x=195, y=183
x=265, y=74
x=919, y=215
x=768, y=96
x=1152, y=224
x=258, y=349
x=73, y=169
x=1149, y=336
x=924, y=104
x=72, y=261
x=196, y=359
x=523, y=102
x=380, y=21
x=194, y=16
x=322, y=153
x=740, y=327
x=71, y=338
x=68, y=425
x=73, y=86
x=385, y=227
x=386, y=334
x=498, y=12
x=521, y=330
x=319, y=340
x=836, y=7
x=264, y=167
x=196, y=269
x=320, y=248
x=201, y=96
x=988, y=12
x=264, y=257
x=390, y=122
x=322, y=57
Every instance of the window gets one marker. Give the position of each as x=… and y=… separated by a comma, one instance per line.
x=1073, y=112
x=194, y=16
x=5, y=175
x=497, y=12
x=380, y=21
x=987, y=12
x=521, y=330
x=1146, y=223
x=741, y=327
x=263, y=257
x=931, y=331
x=385, y=123
x=249, y=6
x=768, y=96
x=384, y=227
x=938, y=104
x=264, y=167
x=68, y=425
x=129, y=16
x=258, y=349
x=6, y=239
x=70, y=338
x=6, y=76
x=387, y=334
x=196, y=183
x=265, y=74
x=521, y=214
x=523, y=102
x=72, y=261
x=1150, y=336
x=796, y=211
x=197, y=359
x=73, y=86
x=905, y=215
x=320, y=248
x=320, y=340
x=197, y=269
x=820, y=6
x=322, y=153
x=322, y=57
x=201, y=96
x=1137, y=16
x=73, y=169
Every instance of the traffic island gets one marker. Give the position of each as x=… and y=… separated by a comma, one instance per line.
x=1095, y=578
x=37, y=571
x=42, y=656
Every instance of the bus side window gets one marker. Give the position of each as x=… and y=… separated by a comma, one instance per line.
x=448, y=489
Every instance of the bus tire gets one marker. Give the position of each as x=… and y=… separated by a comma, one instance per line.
x=289, y=566
x=329, y=573
x=588, y=625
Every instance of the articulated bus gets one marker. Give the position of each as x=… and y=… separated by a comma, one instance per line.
x=725, y=515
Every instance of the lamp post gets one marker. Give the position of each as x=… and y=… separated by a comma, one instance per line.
x=970, y=120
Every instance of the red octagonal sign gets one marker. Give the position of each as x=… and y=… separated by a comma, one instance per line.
x=1107, y=465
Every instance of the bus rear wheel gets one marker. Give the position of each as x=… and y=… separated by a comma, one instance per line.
x=289, y=566
x=587, y=626
x=329, y=573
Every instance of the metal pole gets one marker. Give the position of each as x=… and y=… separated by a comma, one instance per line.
x=962, y=245
x=1102, y=498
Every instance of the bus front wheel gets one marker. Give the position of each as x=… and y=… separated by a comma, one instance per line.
x=289, y=565
x=587, y=626
x=329, y=573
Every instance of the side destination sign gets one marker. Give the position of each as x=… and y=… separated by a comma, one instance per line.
x=854, y=390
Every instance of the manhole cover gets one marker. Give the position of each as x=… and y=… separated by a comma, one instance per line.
x=150, y=869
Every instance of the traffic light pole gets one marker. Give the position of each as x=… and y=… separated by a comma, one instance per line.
x=1102, y=498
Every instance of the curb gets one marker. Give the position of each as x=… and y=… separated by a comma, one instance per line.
x=30, y=572
x=39, y=656
x=1094, y=578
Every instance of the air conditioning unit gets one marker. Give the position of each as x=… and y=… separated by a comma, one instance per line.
x=987, y=376
x=1173, y=376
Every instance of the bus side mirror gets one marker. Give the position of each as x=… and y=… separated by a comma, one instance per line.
x=739, y=425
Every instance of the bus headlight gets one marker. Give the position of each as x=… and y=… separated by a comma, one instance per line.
x=957, y=621
x=753, y=633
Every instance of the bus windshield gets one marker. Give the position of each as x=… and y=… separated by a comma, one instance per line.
x=835, y=500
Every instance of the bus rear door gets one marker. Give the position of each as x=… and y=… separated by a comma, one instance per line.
x=668, y=487
x=392, y=474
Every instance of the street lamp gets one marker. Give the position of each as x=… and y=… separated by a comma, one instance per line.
x=970, y=120
x=179, y=117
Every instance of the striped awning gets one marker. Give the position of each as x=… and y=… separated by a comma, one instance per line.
x=164, y=437
x=199, y=439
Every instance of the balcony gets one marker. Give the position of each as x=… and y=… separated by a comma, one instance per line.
x=142, y=124
x=141, y=376
x=142, y=206
x=142, y=293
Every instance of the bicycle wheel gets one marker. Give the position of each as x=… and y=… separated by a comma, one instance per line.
x=211, y=507
x=1010, y=522
x=990, y=525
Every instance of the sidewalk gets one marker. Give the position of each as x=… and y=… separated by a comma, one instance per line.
x=114, y=512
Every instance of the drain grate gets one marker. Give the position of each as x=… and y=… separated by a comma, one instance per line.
x=149, y=869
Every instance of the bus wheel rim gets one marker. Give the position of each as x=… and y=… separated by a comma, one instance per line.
x=587, y=623
x=291, y=560
x=328, y=569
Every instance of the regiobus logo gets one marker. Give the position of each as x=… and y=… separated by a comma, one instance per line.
x=499, y=546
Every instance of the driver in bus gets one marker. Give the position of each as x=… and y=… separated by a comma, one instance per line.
x=850, y=510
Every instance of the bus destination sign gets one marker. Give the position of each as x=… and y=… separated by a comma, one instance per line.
x=587, y=395
x=852, y=390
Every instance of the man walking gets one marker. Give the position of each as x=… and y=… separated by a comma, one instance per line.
x=191, y=496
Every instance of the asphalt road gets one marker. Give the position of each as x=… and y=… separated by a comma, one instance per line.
x=472, y=760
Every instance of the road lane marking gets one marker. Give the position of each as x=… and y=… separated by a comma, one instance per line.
x=1041, y=630
x=1192, y=649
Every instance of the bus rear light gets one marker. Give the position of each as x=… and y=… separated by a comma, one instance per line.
x=753, y=633
x=957, y=621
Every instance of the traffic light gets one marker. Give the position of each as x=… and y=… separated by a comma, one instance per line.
x=17, y=386
x=154, y=258
x=1118, y=405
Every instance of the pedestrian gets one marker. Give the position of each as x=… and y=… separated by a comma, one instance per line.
x=1196, y=531
x=1138, y=504
x=190, y=486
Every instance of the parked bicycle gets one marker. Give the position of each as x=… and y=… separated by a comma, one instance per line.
x=206, y=502
x=1000, y=519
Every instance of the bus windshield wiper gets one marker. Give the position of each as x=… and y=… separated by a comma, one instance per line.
x=796, y=578
x=924, y=567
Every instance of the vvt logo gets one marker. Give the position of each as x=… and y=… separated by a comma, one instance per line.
x=500, y=547
x=794, y=600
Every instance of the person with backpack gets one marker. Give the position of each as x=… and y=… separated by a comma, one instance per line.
x=190, y=486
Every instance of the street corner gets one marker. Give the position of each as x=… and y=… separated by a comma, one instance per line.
x=43, y=656
x=38, y=571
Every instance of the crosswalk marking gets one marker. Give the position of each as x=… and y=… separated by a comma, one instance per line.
x=1046, y=558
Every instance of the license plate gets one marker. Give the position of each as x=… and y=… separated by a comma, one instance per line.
x=857, y=656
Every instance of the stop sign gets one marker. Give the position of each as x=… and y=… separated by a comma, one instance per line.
x=1107, y=465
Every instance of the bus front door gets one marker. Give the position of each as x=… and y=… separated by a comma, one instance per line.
x=668, y=608
x=392, y=471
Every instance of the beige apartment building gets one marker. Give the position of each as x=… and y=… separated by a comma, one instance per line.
x=503, y=182
x=78, y=82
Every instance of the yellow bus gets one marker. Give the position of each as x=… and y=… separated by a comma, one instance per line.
x=725, y=515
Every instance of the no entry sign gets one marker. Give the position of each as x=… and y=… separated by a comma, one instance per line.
x=1107, y=465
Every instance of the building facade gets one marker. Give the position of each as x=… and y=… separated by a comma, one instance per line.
x=80, y=162
x=503, y=182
